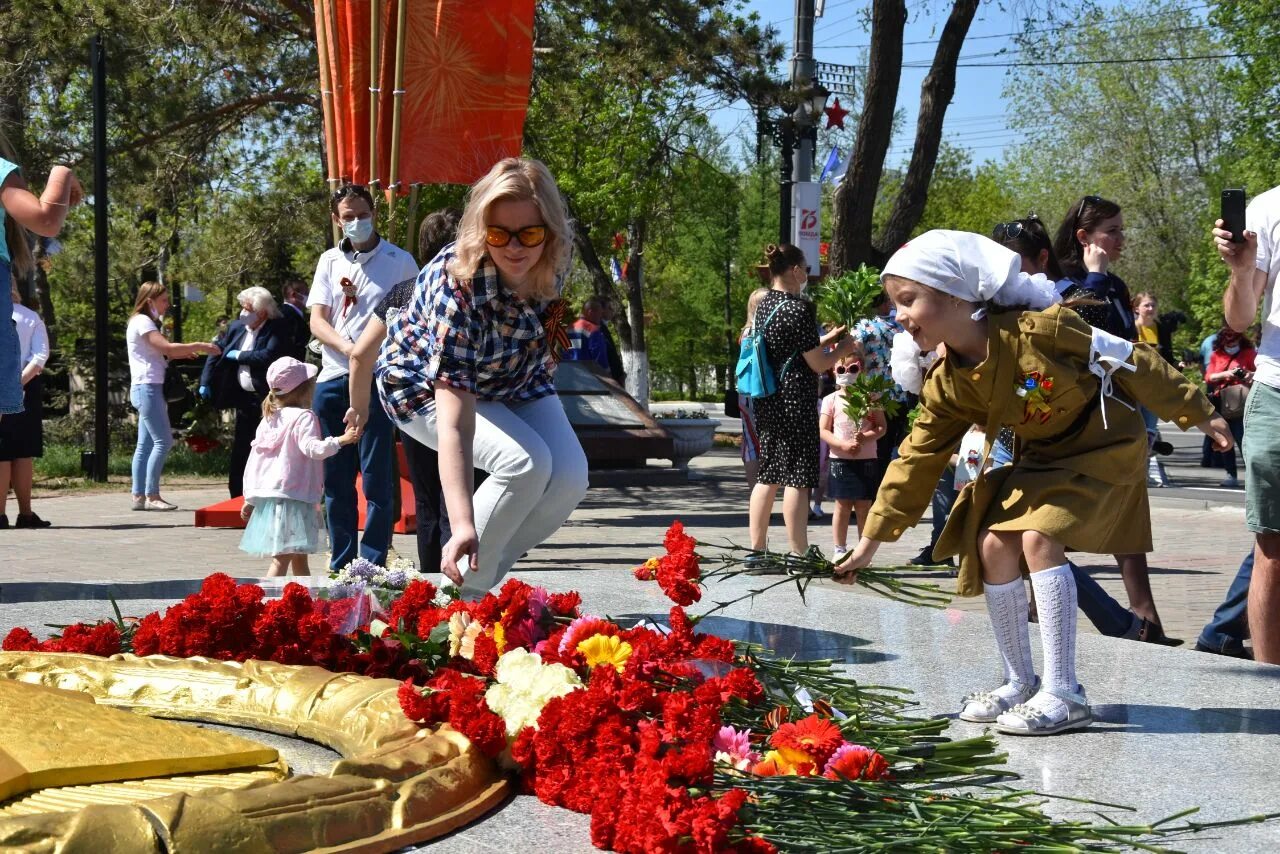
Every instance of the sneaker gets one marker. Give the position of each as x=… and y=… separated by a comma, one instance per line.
x=983, y=707
x=925, y=558
x=764, y=563
x=838, y=552
x=1047, y=713
x=159, y=504
x=31, y=520
x=816, y=513
x=806, y=563
x=139, y=502
x=1231, y=483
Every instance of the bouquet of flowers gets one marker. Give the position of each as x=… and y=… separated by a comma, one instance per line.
x=369, y=588
x=671, y=740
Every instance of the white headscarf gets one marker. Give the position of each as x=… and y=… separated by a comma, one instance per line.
x=971, y=267
x=967, y=266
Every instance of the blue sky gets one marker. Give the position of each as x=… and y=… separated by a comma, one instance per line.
x=976, y=119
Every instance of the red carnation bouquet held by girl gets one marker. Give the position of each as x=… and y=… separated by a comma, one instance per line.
x=670, y=739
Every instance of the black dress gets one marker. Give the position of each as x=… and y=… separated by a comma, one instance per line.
x=787, y=421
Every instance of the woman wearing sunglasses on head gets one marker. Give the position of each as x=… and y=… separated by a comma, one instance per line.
x=467, y=370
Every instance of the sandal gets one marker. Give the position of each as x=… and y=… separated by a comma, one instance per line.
x=1047, y=714
x=1149, y=632
x=984, y=707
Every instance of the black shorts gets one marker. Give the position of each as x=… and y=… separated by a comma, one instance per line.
x=853, y=480
x=22, y=435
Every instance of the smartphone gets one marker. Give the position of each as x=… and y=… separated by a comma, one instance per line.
x=1233, y=213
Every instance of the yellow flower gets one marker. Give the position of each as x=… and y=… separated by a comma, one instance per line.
x=499, y=638
x=605, y=649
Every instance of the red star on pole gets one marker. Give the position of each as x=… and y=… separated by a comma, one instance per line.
x=835, y=115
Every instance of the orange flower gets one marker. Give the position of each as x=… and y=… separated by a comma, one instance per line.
x=815, y=737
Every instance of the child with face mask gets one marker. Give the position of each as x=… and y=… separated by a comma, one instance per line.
x=854, y=474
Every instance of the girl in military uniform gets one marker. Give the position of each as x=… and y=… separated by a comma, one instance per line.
x=1070, y=392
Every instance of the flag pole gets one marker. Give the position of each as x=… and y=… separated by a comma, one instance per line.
x=398, y=95
x=375, y=54
x=326, y=102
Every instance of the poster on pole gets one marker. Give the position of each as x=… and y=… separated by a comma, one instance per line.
x=806, y=220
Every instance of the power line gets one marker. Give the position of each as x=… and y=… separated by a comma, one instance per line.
x=1053, y=29
x=1053, y=62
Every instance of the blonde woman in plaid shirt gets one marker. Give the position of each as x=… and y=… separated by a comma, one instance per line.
x=467, y=370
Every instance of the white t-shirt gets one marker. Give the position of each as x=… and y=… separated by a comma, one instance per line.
x=1263, y=216
x=33, y=337
x=146, y=363
x=373, y=273
x=246, y=344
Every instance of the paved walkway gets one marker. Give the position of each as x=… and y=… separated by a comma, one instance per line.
x=1198, y=542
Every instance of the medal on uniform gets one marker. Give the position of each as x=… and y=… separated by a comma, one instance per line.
x=1033, y=388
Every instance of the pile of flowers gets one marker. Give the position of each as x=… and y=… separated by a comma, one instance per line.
x=669, y=739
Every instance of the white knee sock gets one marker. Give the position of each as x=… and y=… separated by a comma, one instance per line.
x=1056, y=602
x=1007, y=605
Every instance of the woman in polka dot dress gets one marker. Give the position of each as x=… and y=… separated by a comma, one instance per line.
x=786, y=421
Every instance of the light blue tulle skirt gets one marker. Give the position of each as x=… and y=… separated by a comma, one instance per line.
x=283, y=526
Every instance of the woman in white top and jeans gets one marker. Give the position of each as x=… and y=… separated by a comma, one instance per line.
x=149, y=352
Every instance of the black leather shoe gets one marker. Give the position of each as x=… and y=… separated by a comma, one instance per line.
x=4, y=521
x=1243, y=652
x=31, y=520
x=1164, y=449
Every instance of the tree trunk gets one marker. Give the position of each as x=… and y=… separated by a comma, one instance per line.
x=635, y=353
x=856, y=196
x=935, y=95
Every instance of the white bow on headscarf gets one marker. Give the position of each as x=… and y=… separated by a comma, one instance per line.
x=970, y=267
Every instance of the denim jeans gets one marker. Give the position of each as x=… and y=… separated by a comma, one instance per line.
x=1107, y=615
x=371, y=457
x=537, y=476
x=1230, y=624
x=10, y=357
x=155, y=437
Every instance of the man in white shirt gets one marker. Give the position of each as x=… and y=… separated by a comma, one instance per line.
x=350, y=281
x=1255, y=266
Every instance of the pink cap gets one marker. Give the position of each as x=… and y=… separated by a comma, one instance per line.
x=287, y=373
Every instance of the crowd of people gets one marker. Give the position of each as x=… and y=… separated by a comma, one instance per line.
x=1040, y=380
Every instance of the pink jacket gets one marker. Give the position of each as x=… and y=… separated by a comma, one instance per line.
x=285, y=458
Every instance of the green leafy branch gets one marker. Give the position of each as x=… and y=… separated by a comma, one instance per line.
x=850, y=297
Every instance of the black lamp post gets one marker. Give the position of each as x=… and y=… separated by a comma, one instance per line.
x=798, y=121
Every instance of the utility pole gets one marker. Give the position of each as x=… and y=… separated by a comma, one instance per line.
x=803, y=72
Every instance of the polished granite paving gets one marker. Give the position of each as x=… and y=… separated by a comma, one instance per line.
x=1174, y=729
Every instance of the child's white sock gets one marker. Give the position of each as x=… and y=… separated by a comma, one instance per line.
x=1007, y=605
x=1056, y=602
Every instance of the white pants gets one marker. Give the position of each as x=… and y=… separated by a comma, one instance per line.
x=537, y=476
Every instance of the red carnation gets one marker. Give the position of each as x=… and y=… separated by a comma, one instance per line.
x=565, y=604
x=20, y=640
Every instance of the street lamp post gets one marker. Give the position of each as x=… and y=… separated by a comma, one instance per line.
x=797, y=125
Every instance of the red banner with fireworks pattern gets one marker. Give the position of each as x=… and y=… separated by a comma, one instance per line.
x=452, y=77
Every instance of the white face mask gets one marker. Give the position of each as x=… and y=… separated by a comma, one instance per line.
x=244, y=312
x=845, y=379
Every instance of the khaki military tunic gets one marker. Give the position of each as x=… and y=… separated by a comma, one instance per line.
x=1074, y=479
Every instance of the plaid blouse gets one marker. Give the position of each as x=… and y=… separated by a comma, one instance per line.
x=470, y=335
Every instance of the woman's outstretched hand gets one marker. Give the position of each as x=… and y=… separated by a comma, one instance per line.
x=1217, y=430
x=463, y=543
x=846, y=570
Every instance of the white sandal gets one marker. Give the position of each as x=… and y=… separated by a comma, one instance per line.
x=1047, y=713
x=983, y=707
